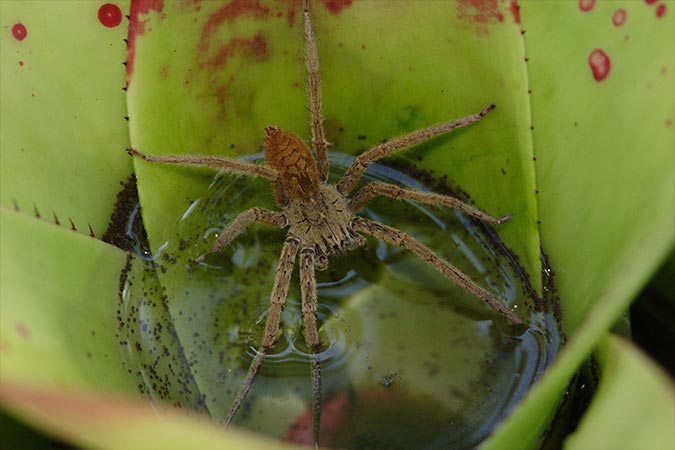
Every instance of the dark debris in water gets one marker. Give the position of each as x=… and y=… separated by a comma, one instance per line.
x=117, y=233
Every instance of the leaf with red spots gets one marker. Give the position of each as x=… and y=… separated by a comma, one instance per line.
x=62, y=74
x=601, y=136
x=207, y=77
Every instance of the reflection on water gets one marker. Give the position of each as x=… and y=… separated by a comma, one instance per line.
x=409, y=360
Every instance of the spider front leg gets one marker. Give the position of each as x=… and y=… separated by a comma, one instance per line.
x=319, y=142
x=354, y=172
x=241, y=222
x=373, y=189
x=309, y=303
x=399, y=238
x=282, y=280
x=211, y=162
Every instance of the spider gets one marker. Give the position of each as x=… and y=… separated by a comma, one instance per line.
x=321, y=217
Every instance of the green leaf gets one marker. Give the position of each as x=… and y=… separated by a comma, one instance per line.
x=55, y=328
x=634, y=405
x=63, y=129
x=606, y=187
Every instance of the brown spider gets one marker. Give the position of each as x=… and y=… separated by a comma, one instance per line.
x=320, y=217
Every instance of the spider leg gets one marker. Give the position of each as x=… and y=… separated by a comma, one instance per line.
x=309, y=301
x=282, y=280
x=241, y=222
x=401, y=239
x=212, y=162
x=354, y=172
x=319, y=142
x=370, y=190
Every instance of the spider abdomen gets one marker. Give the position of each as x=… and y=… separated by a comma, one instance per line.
x=292, y=158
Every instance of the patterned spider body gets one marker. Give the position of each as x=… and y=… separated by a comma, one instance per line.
x=318, y=215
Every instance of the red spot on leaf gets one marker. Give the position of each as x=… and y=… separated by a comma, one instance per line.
x=661, y=10
x=336, y=6
x=586, y=5
x=650, y=2
x=333, y=413
x=188, y=5
x=21, y=63
x=23, y=330
x=480, y=13
x=19, y=31
x=619, y=17
x=599, y=63
x=110, y=15
x=137, y=27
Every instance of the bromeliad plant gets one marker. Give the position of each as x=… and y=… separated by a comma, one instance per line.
x=585, y=124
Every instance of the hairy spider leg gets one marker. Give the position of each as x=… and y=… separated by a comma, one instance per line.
x=241, y=222
x=282, y=280
x=354, y=172
x=401, y=239
x=212, y=162
x=370, y=190
x=309, y=305
x=319, y=142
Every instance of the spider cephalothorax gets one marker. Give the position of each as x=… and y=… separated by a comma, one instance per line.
x=321, y=217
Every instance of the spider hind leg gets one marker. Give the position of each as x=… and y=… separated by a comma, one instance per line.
x=282, y=281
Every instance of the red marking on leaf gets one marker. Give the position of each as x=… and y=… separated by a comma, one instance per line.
x=333, y=413
x=22, y=330
x=515, y=11
x=480, y=13
x=290, y=15
x=336, y=6
x=213, y=53
x=227, y=13
x=599, y=63
x=184, y=6
x=137, y=28
x=110, y=15
x=254, y=47
x=19, y=31
x=619, y=17
x=650, y=2
x=586, y=5
x=21, y=63
x=661, y=10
